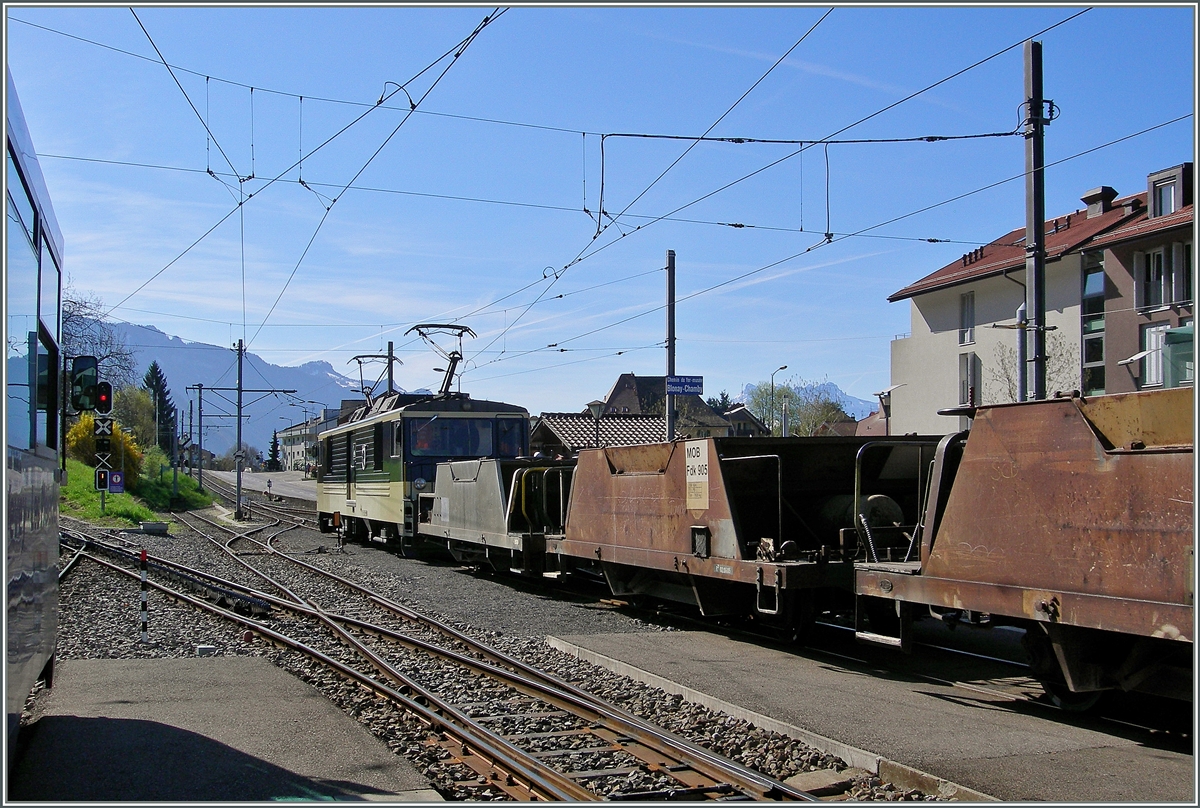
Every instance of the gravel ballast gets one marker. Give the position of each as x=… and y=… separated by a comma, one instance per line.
x=99, y=618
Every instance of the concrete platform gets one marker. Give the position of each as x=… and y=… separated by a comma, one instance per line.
x=209, y=729
x=972, y=744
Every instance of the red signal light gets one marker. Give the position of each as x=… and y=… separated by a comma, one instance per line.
x=104, y=397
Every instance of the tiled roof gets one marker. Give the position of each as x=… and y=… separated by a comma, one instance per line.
x=1063, y=234
x=578, y=430
x=1142, y=225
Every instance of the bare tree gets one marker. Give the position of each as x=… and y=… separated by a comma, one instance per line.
x=86, y=333
x=1062, y=369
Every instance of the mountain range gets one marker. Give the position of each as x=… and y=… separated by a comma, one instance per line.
x=856, y=408
x=187, y=364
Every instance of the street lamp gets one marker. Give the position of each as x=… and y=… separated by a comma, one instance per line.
x=596, y=408
x=772, y=423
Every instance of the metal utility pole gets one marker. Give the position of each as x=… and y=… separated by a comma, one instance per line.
x=200, y=434
x=670, y=341
x=1022, y=366
x=175, y=455
x=391, y=384
x=1035, y=213
x=239, y=453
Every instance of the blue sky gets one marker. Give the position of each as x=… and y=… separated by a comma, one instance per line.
x=453, y=213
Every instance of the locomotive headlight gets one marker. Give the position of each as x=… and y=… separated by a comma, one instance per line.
x=419, y=483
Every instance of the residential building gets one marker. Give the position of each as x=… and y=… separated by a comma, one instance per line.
x=1118, y=275
x=745, y=424
x=646, y=395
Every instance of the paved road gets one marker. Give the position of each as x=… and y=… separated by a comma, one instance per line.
x=283, y=483
x=208, y=729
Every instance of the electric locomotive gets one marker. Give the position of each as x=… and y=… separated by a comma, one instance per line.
x=373, y=467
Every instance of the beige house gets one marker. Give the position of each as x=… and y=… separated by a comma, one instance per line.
x=961, y=349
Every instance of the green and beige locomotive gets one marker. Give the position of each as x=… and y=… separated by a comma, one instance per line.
x=373, y=467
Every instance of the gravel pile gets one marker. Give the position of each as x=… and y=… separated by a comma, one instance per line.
x=99, y=618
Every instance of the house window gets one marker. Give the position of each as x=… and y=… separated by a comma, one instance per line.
x=969, y=372
x=1164, y=276
x=1093, y=365
x=1152, y=342
x=1092, y=323
x=1164, y=198
x=966, y=319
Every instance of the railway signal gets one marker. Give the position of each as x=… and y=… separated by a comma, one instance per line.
x=101, y=479
x=104, y=394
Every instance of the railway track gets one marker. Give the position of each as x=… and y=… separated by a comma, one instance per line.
x=302, y=517
x=532, y=738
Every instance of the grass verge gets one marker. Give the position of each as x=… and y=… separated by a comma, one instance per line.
x=80, y=499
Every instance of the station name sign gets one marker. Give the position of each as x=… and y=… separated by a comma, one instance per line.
x=685, y=385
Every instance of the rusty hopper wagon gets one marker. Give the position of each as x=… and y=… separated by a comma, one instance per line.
x=1072, y=518
x=764, y=527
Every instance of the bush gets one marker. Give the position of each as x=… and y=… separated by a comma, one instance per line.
x=126, y=455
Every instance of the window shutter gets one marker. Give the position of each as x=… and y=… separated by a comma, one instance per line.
x=1179, y=292
x=1139, y=279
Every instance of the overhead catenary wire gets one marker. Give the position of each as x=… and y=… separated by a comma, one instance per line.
x=826, y=242
x=283, y=173
x=486, y=201
x=600, y=206
x=488, y=20
x=584, y=255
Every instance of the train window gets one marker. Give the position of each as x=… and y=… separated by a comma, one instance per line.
x=397, y=438
x=510, y=437
x=451, y=437
x=46, y=393
x=21, y=313
x=48, y=303
x=19, y=198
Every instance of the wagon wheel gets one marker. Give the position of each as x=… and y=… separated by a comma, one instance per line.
x=1068, y=700
x=1046, y=670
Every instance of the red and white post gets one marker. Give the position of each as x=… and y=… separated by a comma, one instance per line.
x=145, y=633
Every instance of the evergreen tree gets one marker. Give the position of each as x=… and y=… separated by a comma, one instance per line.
x=722, y=403
x=273, y=463
x=155, y=381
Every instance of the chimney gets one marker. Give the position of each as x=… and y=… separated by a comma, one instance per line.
x=1098, y=201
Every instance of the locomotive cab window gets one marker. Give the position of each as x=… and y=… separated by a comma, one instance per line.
x=450, y=437
x=510, y=437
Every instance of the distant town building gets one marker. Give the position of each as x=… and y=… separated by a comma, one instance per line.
x=298, y=442
x=1118, y=279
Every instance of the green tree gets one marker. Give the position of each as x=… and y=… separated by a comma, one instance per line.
x=155, y=381
x=273, y=463
x=133, y=409
x=809, y=406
